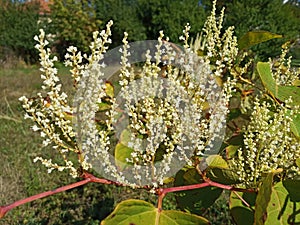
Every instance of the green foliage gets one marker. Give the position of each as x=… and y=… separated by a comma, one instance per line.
x=18, y=26
x=198, y=200
x=170, y=16
x=141, y=212
x=269, y=15
x=242, y=211
x=283, y=93
x=255, y=37
x=72, y=23
x=143, y=19
x=124, y=13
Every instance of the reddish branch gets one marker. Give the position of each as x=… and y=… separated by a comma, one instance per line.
x=89, y=178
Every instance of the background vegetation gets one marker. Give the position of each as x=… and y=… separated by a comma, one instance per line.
x=71, y=23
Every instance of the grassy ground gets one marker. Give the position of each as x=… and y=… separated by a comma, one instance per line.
x=20, y=177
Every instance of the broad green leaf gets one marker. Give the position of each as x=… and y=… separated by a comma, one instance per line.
x=282, y=208
x=223, y=176
x=255, y=37
x=194, y=201
x=241, y=213
x=282, y=93
x=262, y=200
x=138, y=212
x=216, y=161
x=122, y=153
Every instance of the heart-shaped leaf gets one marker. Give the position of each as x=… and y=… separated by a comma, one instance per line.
x=136, y=212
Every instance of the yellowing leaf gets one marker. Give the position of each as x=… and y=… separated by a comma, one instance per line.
x=109, y=89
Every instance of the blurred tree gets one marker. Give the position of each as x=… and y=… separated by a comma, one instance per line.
x=73, y=22
x=170, y=16
x=18, y=26
x=124, y=15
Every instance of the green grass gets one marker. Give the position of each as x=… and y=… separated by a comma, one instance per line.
x=21, y=178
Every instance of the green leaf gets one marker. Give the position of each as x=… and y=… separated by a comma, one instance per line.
x=137, y=212
x=255, y=37
x=293, y=187
x=216, y=161
x=242, y=214
x=262, y=200
x=298, y=162
x=223, y=176
x=295, y=126
x=231, y=150
x=122, y=153
x=102, y=106
x=282, y=208
x=194, y=201
x=282, y=93
x=125, y=137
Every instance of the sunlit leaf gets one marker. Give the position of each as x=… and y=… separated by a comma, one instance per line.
x=263, y=199
x=283, y=93
x=216, y=161
x=135, y=212
x=109, y=89
x=102, y=106
x=255, y=37
x=282, y=208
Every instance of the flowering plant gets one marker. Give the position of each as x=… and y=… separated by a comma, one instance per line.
x=164, y=118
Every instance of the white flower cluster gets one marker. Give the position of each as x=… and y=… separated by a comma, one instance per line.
x=171, y=108
x=51, y=113
x=169, y=114
x=269, y=144
x=284, y=73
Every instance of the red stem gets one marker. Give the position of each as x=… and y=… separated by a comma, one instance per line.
x=89, y=178
x=161, y=192
x=6, y=208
